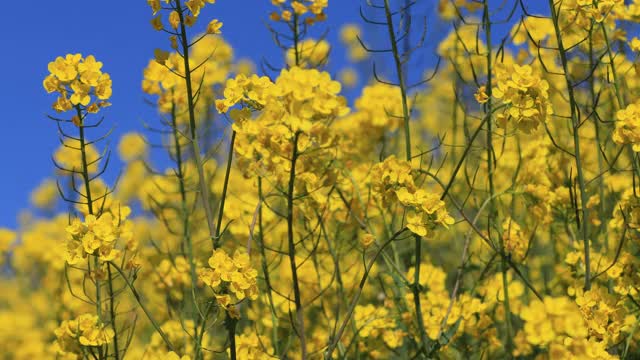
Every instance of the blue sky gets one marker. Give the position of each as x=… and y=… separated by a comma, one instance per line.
x=122, y=38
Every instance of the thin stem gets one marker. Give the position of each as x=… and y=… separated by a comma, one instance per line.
x=265, y=271
x=592, y=91
x=401, y=79
x=584, y=223
x=87, y=186
x=292, y=249
x=231, y=328
x=204, y=188
x=216, y=240
x=113, y=315
x=144, y=308
x=416, y=288
x=334, y=342
x=491, y=206
x=186, y=237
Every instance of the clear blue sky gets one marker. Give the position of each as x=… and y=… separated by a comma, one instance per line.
x=119, y=34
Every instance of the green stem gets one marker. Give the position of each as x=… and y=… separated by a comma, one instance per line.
x=87, y=187
x=596, y=122
x=401, y=79
x=113, y=315
x=584, y=224
x=231, y=323
x=292, y=249
x=265, y=271
x=407, y=135
x=216, y=241
x=491, y=206
x=336, y=339
x=231, y=329
x=144, y=308
x=185, y=224
x=204, y=188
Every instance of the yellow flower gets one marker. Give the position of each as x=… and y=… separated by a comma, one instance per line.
x=190, y=20
x=156, y=22
x=627, y=129
x=515, y=241
x=525, y=95
x=349, y=34
x=635, y=44
x=481, y=95
x=366, y=240
x=76, y=78
x=155, y=5
x=214, y=27
x=161, y=56
x=80, y=93
x=83, y=331
x=195, y=6
x=51, y=83
x=62, y=104
x=311, y=53
x=103, y=90
x=7, y=237
x=237, y=273
x=45, y=195
x=299, y=8
x=274, y=16
x=417, y=222
x=174, y=20
x=132, y=146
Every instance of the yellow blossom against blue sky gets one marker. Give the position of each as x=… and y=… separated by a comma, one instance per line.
x=120, y=36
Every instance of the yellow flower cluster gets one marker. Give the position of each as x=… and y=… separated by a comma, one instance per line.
x=556, y=324
x=515, y=241
x=98, y=236
x=541, y=264
x=390, y=175
x=525, y=96
x=297, y=106
x=132, y=146
x=233, y=275
x=392, y=179
x=377, y=112
x=377, y=102
x=349, y=35
x=626, y=212
x=7, y=238
x=82, y=332
x=68, y=156
x=209, y=68
x=604, y=314
x=376, y=322
x=79, y=82
x=627, y=129
x=172, y=277
x=176, y=16
x=252, y=346
x=465, y=308
x=311, y=53
x=582, y=14
x=450, y=9
x=425, y=209
x=45, y=195
x=310, y=11
x=253, y=90
x=180, y=341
